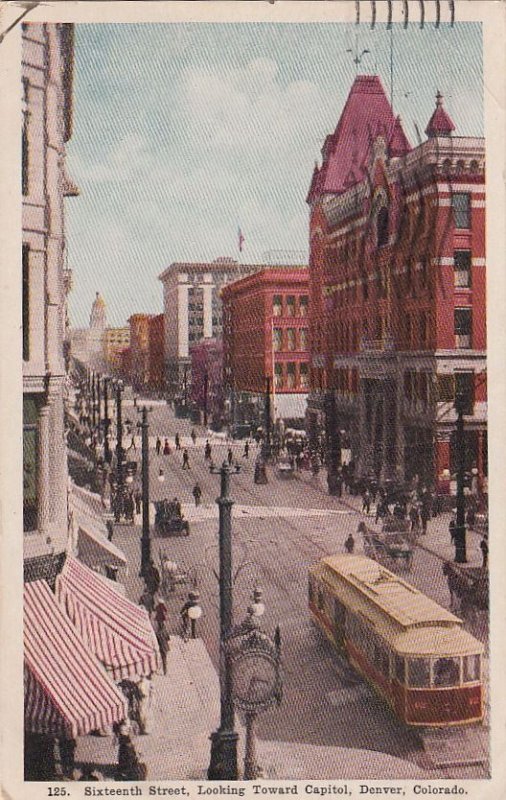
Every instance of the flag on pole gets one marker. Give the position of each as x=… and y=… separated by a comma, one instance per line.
x=241, y=239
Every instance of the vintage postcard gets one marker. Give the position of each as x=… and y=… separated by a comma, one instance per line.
x=253, y=290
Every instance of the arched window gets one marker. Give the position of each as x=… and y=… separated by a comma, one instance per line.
x=382, y=226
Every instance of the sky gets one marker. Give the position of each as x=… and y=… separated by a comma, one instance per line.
x=184, y=132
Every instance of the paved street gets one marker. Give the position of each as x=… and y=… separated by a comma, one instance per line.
x=280, y=529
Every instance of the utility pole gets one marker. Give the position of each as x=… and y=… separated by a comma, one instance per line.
x=460, y=528
x=120, y=478
x=223, y=764
x=267, y=414
x=99, y=417
x=146, y=537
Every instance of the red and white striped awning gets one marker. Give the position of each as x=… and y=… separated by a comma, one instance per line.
x=116, y=630
x=67, y=691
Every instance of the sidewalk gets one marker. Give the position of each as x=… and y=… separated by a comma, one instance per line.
x=437, y=539
x=185, y=711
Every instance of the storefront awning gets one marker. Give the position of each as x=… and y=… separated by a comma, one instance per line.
x=67, y=691
x=97, y=551
x=116, y=630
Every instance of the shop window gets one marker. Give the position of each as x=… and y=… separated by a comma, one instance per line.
x=463, y=321
x=419, y=672
x=304, y=375
x=26, y=302
x=303, y=305
x=290, y=375
x=290, y=305
x=471, y=668
x=461, y=204
x=447, y=672
x=277, y=305
x=462, y=268
x=290, y=339
x=277, y=339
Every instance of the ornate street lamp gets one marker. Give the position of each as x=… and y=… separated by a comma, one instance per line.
x=146, y=535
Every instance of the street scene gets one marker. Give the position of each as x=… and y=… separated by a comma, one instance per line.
x=255, y=497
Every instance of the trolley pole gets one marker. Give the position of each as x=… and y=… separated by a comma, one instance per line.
x=146, y=537
x=223, y=763
x=460, y=528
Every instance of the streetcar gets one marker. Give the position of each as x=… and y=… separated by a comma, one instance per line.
x=414, y=652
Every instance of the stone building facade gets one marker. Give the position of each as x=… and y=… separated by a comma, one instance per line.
x=47, y=60
x=397, y=289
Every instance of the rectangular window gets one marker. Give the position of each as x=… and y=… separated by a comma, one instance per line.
x=463, y=322
x=446, y=388
x=26, y=302
x=419, y=672
x=290, y=375
x=303, y=305
x=461, y=204
x=290, y=339
x=471, y=669
x=304, y=341
x=462, y=267
x=304, y=375
x=278, y=376
x=277, y=339
x=277, y=305
x=446, y=671
x=290, y=305
x=464, y=390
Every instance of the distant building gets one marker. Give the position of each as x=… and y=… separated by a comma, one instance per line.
x=397, y=289
x=156, y=357
x=115, y=341
x=265, y=335
x=96, y=335
x=192, y=310
x=139, y=350
x=207, y=390
x=79, y=344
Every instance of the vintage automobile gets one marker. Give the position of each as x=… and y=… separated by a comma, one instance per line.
x=169, y=521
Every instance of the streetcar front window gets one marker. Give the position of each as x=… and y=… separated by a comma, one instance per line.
x=471, y=668
x=419, y=672
x=447, y=671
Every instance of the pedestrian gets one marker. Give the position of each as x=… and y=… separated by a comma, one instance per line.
x=67, y=748
x=166, y=447
x=161, y=614
x=111, y=572
x=207, y=451
x=366, y=501
x=163, y=639
x=230, y=456
x=381, y=509
x=158, y=445
x=147, y=600
x=193, y=436
x=197, y=494
x=246, y=450
x=186, y=459
x=453, y=529
x=152, y=578
x=349, y=544
x=88, y=774
x=129, y=507
x=144, y=689
x=129, y=768
x=414, y=516
x=484, y=550
x=425, y=509
x=138, y=500
x=178, y=442
x=110, y=529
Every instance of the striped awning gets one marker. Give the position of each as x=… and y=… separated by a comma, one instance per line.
x=67, y=691
x=96, y=551
x=116, y=630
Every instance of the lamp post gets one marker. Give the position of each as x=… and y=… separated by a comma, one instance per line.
x=223, y=763
x=146, y=536
x=99, y=410
x=460, y=527
x=107, y=423
x=267, y=419
x=93, y=403
x=120, y=455
x=194, y=611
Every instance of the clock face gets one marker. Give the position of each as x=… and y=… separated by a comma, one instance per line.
x=254, y=679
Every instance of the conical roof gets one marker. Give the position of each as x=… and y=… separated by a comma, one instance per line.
x=440, y=124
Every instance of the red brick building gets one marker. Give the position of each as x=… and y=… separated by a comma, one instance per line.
x=156, y=358
x=397, y=288
x=265, y=335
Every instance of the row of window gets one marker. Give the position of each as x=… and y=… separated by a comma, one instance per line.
x=291, y=375
x=290, y=306
x=291, y=340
